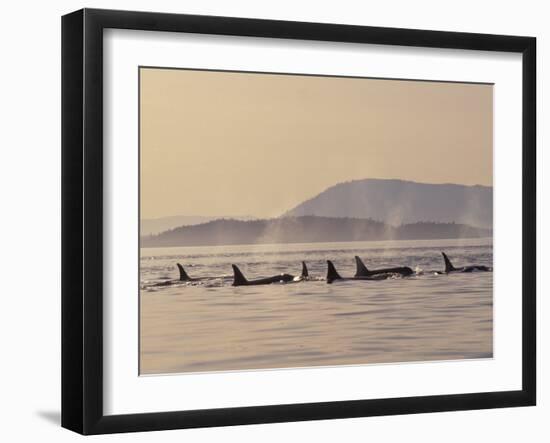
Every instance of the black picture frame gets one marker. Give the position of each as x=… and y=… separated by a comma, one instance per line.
x=82, y=218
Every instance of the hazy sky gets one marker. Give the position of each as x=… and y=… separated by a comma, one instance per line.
x=219, y=143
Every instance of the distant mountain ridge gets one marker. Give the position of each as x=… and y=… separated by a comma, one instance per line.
x=152, y=226
x=305, y=229
x=399, y=202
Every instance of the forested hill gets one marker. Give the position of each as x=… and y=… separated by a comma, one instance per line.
x=400, y=201
x=305, y=229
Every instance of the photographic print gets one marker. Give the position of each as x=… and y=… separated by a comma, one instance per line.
x=296, y=221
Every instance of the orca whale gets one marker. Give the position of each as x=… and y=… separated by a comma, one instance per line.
x=184, y=277
x=450, y=268
x=240, y=280
x=333, y=275
x=362, y=271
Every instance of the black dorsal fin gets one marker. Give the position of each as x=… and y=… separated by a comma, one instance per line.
x=360, y=268
x=305, y=272
x=238, y=278
x=332, y=273
x=448, y=265
x=183, y=274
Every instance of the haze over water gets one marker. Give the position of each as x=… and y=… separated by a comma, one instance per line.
x=212, y=326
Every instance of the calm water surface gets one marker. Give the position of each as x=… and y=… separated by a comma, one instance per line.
x=213, y=326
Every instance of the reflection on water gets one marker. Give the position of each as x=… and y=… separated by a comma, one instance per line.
x=209, y=325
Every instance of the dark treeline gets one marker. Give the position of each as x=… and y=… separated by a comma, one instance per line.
x=305, y=229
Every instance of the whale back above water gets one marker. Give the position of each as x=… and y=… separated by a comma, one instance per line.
x=333, y=275
x=472, y=268
x=362, y=271
x=240, y=280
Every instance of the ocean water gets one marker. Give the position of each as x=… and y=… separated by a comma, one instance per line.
x=209, y=325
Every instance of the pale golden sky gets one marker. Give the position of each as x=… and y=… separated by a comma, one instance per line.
x=221, y=143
